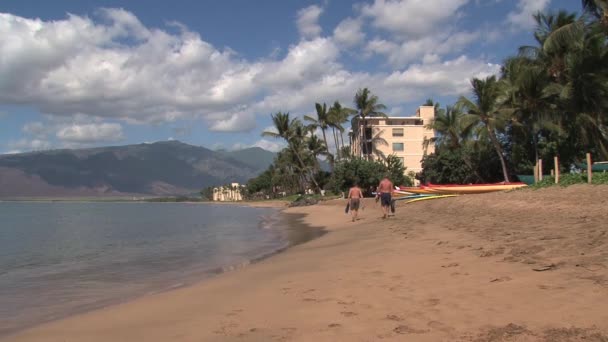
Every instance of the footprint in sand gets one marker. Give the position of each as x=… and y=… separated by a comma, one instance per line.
x=394, y=318
x=348, y=313
x=320, y=300
x=341, y=302
x=500, y=280
x=404, y=329
x=234, y=312
x=432, y=302
x=454, y=264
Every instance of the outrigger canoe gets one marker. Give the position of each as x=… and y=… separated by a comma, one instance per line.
x=474, y=188
x=443, y=189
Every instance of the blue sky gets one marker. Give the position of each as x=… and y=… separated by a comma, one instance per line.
x=82, y=73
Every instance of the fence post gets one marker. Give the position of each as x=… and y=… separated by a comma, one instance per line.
x=540, y=169
x=536, y=172
x=555, y=160
x=589, y=173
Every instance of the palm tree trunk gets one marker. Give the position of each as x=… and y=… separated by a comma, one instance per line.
x=312, y=176
x=364, y=139
x=336, y=143
x=498, y=149
x=342, y=140
x=331, y=164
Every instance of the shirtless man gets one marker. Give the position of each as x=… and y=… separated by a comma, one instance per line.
x=354, y=196
x=385, y=192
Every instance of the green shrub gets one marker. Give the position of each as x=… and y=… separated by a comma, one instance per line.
x=568, y=179
x=367, y=174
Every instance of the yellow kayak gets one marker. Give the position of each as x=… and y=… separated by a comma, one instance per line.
x=475, y=189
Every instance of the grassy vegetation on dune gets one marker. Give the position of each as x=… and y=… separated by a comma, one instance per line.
x=572, y=178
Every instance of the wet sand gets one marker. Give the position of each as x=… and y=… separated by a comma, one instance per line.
x=518, y=266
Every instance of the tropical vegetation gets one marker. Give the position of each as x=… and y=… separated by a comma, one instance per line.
x=550, y=99
x=320, y=136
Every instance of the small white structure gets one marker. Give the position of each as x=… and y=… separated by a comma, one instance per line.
x=230, y=193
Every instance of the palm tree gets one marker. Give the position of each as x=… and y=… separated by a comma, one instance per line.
x=321, y=121
x=575, y=54
x=292, y=131
x=449, y=128
x=555, y=35
x=598, y=8
x=317, y=148
x=367, y=106
x=338, y=116
x=451, y=132
x=486, y=112
x=527, y=87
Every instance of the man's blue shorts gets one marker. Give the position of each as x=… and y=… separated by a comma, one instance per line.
x=385, y=199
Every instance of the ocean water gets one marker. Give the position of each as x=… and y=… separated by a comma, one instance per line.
x=59, y=258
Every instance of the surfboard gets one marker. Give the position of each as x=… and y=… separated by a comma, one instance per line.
x=428, y=198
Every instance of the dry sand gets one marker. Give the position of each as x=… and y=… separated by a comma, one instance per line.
x=519, y=266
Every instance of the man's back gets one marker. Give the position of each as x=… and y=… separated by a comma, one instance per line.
x=385, y=186
x=355, y=192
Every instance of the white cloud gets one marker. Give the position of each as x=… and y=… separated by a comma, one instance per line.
x=305, y=62
x=81, y=72
x=25, y=145
x=90, y=133
x=521, y=18
x=349, y=33
x=441, y=78
x=80, y=66
x=308, y=21
x=273, y=146
x=234, y=122
x=269, y=145
x=412, y=19
x=412, y=50
x=270, y=129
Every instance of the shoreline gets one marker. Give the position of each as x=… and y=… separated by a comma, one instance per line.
x=291, y=226
x=457, y=269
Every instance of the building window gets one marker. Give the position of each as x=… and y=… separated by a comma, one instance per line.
x=398, y=147
x=397, y=132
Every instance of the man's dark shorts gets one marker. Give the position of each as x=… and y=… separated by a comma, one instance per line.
x=354, y=203
x=385, y=199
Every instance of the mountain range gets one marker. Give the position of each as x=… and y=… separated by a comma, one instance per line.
x=160, y=169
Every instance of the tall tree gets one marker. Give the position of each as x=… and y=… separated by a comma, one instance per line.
x=486, y=111
x=322, y=121
x=598, y=8
x=292, y=131
x=338, y=116
x=367, y=105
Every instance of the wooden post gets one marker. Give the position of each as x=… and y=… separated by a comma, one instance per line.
x=552, y=173
x=536, y=172
x=556, y=169
x=589, y=173
x=540, y=169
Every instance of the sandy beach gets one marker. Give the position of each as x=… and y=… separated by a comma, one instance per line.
x=519, y=266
